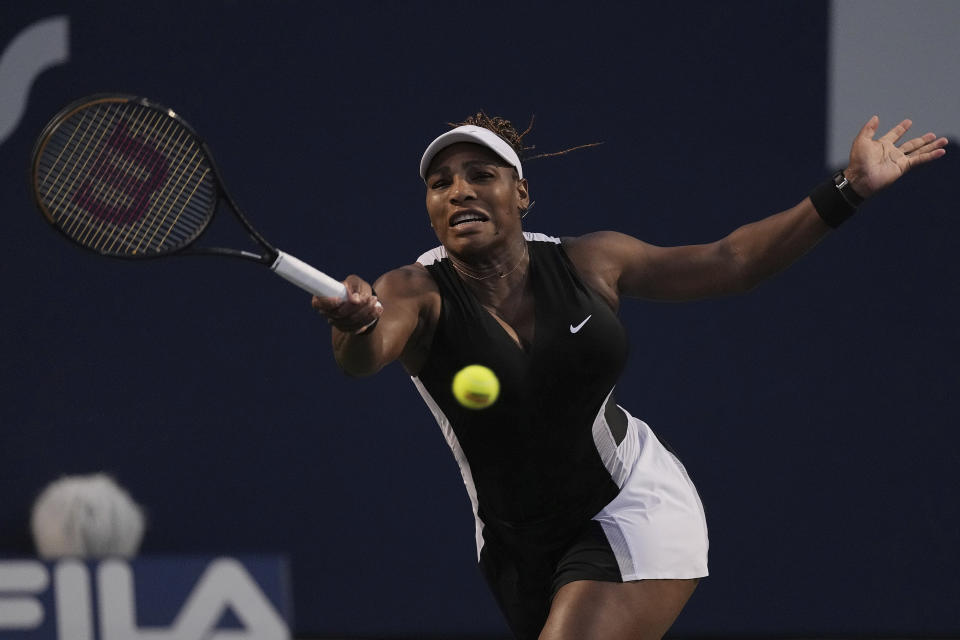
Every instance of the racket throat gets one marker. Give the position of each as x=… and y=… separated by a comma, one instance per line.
x=256, y=256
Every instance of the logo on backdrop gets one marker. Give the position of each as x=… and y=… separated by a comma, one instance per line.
x=61, y=601
x=35, y=49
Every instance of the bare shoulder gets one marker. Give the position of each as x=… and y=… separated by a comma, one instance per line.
x=410, y=280
x=601, y=257
x=600, y=244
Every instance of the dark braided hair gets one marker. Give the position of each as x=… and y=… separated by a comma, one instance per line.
x=505, y=129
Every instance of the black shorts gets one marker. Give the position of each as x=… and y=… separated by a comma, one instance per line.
x=525, y=580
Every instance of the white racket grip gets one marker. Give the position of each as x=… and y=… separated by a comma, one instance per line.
x=307, y=278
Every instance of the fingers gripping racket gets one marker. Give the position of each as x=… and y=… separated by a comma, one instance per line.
x=128, y=178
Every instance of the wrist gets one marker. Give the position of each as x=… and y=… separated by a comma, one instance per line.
x=835, y=200
x=370, y=326
x=857, y=184
x=367, y=328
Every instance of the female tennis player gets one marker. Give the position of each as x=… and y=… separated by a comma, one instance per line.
x=586, y=525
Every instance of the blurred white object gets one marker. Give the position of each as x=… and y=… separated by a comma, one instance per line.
x=867, y=74
x=86, y=516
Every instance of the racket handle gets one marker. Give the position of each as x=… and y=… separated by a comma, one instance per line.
x=307, y=278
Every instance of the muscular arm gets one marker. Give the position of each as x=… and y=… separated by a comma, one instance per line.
x=407, y=297
x=627, y=266
x=617, y=264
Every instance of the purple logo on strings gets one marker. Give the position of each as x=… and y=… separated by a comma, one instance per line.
x=119, y=185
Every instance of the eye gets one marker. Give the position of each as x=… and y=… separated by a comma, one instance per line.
x=439, y=183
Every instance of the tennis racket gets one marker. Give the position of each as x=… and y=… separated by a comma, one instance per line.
x=128, y=178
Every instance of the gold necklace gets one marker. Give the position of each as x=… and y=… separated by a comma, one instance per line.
x=465, y=271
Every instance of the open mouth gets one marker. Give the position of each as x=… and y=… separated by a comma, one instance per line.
x=463, y=217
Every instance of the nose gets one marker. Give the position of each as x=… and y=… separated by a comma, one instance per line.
x=461, y=190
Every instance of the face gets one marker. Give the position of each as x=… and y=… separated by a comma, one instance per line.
x=474, y=199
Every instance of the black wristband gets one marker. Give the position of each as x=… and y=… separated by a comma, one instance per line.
x=835, y=200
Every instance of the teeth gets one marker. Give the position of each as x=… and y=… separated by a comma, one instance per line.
x=470, y=218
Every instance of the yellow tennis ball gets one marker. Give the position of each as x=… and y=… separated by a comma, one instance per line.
x=476, y=387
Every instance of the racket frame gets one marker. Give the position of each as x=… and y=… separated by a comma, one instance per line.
x=222, y=194
x=283, y=264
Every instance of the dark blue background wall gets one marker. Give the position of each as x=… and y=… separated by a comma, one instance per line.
x=817, y=415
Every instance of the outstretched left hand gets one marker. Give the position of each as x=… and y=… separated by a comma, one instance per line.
x=876, y=164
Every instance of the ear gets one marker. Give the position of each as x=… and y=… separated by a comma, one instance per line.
x=523, y=195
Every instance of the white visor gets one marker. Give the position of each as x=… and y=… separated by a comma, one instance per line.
x=476, y=135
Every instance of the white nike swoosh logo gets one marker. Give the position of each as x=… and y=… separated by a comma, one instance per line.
x=574, y=329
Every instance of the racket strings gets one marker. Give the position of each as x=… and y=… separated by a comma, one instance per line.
x=82, y=206
x=178, y=213
x=125, y=179
x=118, y=203
x=45, y=183
x=176, y=198
x=136, y=187
x=107, y=194
x=75, y=165
x=132, y=236
x=87, y=202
